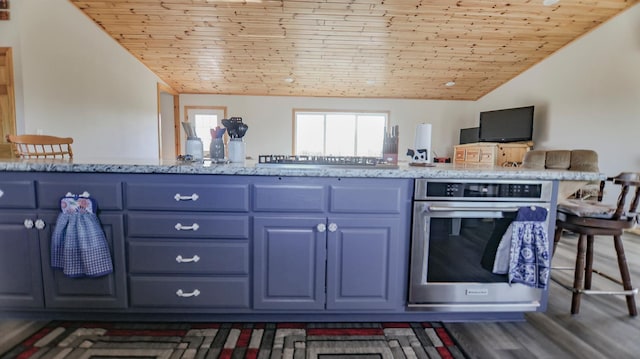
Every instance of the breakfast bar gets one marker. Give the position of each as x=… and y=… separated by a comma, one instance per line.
x=235, y=242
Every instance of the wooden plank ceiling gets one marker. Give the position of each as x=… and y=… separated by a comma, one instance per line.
x=345, y=48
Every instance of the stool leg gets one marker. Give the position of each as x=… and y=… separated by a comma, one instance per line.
x=578, y=275
x=556, y=239
x=624, y=273
x=588, y=268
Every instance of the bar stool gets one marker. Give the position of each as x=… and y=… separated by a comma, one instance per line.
x=589, y=219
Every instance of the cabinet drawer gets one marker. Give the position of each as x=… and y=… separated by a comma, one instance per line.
x=17, y=194
x=383, y=198
x=487, y=157
x=108, y=195
x=187, y=225
x=188, y=197
x=289, y=198
x=189, y=292
x=472, y=155
x=459, y=155
x=189, y=257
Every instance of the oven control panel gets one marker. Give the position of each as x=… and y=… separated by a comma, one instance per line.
x=482, y=190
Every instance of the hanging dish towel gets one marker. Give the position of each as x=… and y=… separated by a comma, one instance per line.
x=78, y=244
x=529, y=250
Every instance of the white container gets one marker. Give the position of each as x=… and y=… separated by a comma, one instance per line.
x=236, y=150
x=194, y=148
x=422, y=143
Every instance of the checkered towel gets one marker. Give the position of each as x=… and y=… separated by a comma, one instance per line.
x=78, y=244
x=529, y=255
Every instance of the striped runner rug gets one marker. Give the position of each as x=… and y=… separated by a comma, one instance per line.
x=238, y=340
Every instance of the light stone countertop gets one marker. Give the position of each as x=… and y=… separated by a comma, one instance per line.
x=440, y=170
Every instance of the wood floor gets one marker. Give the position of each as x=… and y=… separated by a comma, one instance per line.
x=602, y=329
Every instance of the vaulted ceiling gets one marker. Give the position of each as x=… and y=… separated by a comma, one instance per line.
x=345, y=48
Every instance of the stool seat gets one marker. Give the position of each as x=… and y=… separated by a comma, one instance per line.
x=570, y=218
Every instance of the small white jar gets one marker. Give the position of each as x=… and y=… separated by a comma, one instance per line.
x=236, y=150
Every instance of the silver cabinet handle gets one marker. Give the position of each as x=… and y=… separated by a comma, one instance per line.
x=179, y=197
x=193, y=227
x=40, y=224
x=28, y=223
x=194, y=259
x=182, y=294
x=333, y=227
x=321, y=227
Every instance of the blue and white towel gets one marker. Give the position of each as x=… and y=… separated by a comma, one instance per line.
x=523, y=252
x=78, y=245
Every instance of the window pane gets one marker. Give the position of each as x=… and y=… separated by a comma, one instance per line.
x=370, y=136
x=341, y=135
x=204, y=123
x=310, y=134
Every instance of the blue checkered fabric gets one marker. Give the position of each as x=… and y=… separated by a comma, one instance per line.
x=78, y=245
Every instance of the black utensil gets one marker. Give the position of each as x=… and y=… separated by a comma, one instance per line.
x=242, y=129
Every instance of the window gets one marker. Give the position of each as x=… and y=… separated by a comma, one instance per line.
x=324, y=133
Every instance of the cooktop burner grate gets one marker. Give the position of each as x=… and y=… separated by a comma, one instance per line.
x=335, y=161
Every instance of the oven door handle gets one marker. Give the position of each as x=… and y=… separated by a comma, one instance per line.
x=475, y=209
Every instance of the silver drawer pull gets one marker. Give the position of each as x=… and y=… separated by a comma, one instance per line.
x=182, y=294
x=193, y=197
x=193, y=227
x=194, y=259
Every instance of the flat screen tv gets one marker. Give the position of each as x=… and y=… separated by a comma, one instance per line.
x=469, y=135
x=508, y=125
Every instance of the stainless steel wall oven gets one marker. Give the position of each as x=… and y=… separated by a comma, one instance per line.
x=456, y=223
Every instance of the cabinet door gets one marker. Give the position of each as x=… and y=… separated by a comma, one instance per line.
x=20, y=272
x=107, y=291
x=364, y=263
x=289, y=263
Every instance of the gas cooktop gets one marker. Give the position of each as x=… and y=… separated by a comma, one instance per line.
x=288, y=161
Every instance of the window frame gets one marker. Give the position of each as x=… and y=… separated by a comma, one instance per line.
x=326, y=112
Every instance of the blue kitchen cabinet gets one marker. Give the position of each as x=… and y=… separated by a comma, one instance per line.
x=188, y=243
x=108, y=291
x=20, y=274
x=104, y=292
x=364, y=263
x=289, y=263
x=330, y=244
x=27, y=280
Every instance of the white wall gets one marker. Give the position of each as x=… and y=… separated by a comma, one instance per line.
x=587, y=95
x=270, y=119
x=76, y=81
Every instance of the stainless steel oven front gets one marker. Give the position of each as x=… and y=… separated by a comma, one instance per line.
x=455, y=226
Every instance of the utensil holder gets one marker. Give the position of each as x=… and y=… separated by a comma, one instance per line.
x=236, y=150
x=193, y=147
x=216, y=149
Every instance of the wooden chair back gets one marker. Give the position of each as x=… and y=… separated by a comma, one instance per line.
x=628, y=181
x=41, y=146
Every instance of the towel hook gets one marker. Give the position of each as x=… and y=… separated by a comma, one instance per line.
x=84, y=194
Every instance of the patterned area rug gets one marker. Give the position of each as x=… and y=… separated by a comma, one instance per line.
x=238, y=340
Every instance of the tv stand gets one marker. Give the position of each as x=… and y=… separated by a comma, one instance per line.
x=491, y=153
